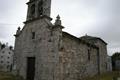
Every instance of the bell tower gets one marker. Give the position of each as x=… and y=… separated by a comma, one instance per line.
x=38, y=8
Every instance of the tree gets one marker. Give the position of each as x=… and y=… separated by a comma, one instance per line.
x=115, y=56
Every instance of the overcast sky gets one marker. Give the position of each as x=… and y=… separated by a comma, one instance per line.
x=99, y=18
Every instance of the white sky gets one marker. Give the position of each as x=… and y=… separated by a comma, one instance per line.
x=99, y=18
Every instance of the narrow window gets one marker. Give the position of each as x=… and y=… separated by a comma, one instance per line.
x=89, y=55
x=33, y=35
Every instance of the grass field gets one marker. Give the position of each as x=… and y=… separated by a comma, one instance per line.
x=106, y=76
x=8, y=76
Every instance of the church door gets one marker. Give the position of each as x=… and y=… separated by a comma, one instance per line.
x=30, y=68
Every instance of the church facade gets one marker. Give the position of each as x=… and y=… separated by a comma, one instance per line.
x=44, y=52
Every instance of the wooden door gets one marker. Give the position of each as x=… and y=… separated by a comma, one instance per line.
x=30, y=68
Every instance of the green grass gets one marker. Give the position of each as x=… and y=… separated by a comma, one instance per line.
x=8, y=76
x=105, y=76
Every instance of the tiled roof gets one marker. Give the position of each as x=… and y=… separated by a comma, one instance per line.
x=78, y=39
x=92, y=39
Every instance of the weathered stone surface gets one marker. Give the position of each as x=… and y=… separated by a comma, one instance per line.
x=74, y=59
x=59, y=55
x=102, y=51
x=44, y=51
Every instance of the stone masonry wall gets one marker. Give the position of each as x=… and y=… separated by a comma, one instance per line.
x=59, y=56
x=103, y=56
x=42, y=48
x=74, y=63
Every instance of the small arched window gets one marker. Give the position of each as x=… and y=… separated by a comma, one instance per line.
x=33, y=35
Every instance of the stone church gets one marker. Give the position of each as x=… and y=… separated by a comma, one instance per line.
x=44, y=52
